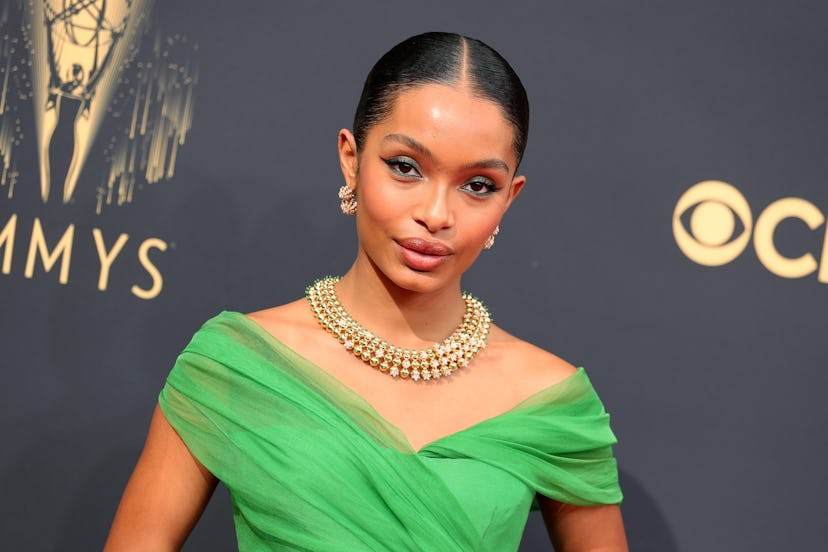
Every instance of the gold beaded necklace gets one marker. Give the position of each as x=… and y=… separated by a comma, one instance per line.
x=441, y=359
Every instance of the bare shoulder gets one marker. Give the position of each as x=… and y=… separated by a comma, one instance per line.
x=289, y=312
x=288, y=322
x=524, y=362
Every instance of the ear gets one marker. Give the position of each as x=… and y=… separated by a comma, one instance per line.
x=348, y=159
x=514, y=190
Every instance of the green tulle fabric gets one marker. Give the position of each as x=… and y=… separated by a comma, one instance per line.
x=310, y=465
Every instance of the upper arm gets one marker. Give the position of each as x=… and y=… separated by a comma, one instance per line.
x=165, y=495
x=572, y=528
x=583, y=528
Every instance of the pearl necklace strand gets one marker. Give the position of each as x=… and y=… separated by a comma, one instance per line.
x=441, y=359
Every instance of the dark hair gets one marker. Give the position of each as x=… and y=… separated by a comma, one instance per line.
x=442, y=58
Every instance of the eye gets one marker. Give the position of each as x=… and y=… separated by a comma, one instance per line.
x=480, y=187
x=715, y=213
x=403, y=166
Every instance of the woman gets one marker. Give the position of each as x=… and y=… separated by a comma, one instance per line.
x=348, y=420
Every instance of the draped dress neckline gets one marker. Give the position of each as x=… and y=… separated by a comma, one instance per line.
x=311, y=465
x=329, y=379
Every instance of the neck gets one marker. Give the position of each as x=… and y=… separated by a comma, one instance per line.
x=403, y=317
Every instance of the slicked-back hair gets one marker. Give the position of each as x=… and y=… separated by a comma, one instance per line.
x=448, y=59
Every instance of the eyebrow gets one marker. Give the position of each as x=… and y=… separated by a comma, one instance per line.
x=408, y=141
x=420, y=148
x=489, y=164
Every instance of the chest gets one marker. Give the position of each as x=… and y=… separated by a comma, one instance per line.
x=423, y=411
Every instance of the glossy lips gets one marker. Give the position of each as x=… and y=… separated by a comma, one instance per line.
x=423, y=255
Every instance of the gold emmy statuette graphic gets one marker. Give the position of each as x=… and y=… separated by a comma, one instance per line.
x=79, y=47
x=79, y=52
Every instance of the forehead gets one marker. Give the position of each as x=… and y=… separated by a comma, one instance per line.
x=440, y=115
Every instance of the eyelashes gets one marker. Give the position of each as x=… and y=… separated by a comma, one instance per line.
x=403, y=166
x=408, y=168
x=480, y=187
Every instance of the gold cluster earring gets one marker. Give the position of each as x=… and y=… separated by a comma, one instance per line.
x=348, y=202
x=490, y=240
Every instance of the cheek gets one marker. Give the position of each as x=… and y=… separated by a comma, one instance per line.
x=479, y=225
x=374, y=196
x=381, y=206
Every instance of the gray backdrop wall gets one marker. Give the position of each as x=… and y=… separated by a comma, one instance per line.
x=214, y=129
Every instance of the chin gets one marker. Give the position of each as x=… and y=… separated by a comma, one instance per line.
x=417, y=281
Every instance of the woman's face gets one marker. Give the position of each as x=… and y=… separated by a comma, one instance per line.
x=433, y=180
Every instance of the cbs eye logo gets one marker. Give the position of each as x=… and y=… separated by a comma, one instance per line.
x=718, y=211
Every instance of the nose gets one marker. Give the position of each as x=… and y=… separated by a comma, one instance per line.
x=434, y=208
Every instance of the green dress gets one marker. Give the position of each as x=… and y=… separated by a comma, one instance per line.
x=310, y=465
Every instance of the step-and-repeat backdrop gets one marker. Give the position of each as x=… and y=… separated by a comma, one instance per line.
x=162, y=162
